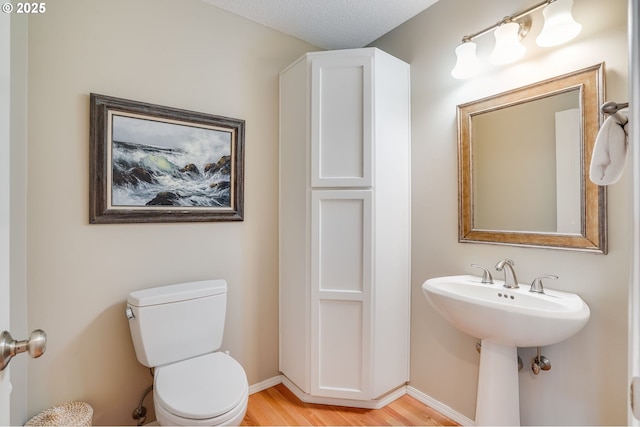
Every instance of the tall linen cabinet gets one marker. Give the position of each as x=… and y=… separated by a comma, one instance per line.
x=344, y=221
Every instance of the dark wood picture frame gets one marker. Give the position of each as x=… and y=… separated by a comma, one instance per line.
x=152, y=164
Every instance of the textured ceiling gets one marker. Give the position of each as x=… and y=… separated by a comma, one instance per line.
x=329, y=24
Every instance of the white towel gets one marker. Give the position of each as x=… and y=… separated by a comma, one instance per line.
x=610, y=151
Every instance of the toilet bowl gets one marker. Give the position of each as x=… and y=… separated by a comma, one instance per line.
x=207, y=390
x=177, y=330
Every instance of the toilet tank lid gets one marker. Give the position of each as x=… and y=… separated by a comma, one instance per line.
x=174, y=293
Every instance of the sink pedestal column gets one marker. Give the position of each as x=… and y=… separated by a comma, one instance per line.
x=498, y=399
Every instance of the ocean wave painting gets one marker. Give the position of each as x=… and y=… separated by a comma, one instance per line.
x=160, y=163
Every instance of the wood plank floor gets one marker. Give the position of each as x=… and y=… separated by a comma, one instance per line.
x=278, y=406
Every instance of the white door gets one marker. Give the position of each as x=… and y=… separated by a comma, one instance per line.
x=341, y=256
x=634, y=144
x=5, y=385
x=341, y=121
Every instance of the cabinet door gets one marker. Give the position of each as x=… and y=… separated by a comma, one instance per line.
x=341, y=257
x=341, y=121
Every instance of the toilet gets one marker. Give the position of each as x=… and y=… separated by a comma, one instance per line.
x=177, y=330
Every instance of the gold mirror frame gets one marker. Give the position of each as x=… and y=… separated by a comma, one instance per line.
x=593, y=237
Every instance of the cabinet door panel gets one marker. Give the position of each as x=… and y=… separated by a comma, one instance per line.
x=341, y=121
x=341, y=254
x=340, y=250
x=340, y=348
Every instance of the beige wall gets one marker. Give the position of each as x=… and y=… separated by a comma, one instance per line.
x=183, y=54
x=587, y=383
x=190, y=55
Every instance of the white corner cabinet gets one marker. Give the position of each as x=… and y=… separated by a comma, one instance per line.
x=344, y=221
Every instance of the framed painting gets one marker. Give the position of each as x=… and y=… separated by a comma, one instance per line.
x=150, y=163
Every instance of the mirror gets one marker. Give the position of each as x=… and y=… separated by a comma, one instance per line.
x=523, y=164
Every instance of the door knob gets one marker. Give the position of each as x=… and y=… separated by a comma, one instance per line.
x=35, y=345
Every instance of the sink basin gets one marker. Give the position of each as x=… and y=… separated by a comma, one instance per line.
x=505, y=316
x=504, y=319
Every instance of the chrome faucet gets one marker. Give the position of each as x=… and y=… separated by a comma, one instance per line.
x=510, y=280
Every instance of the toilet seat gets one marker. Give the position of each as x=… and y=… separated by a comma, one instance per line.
x=212, y=386
x=231, y=418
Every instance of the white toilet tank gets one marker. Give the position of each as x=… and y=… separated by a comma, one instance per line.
x=177, y=322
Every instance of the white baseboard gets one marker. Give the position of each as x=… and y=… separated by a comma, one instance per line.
x=263, y=385
x=440, y=407
x=366, y=404
x=353, y=403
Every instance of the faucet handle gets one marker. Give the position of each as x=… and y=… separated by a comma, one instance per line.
x=536, y=285
x=486, y=274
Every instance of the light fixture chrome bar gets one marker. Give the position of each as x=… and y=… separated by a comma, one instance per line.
x=506, y=19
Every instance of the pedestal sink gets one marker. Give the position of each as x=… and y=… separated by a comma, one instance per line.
x=504, y=319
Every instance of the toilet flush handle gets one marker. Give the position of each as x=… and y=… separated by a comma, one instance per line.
x=36, y=346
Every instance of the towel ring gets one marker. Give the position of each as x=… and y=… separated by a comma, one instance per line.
x=611, y=108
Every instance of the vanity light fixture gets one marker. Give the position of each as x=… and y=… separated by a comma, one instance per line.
x=559, y=27
x=467, y=64
x=508, y=48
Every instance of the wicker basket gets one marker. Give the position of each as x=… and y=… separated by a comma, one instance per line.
x=69, y=414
